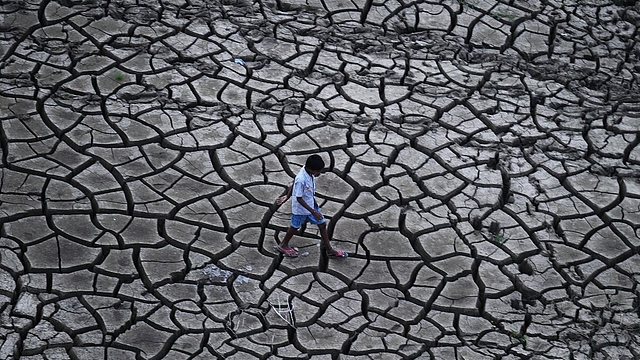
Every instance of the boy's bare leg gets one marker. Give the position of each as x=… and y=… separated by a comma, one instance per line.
x=285, y=242
x=325, y=239
x=327, y=246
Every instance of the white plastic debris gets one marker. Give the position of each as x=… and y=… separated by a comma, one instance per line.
x=243, y=279
x=239, y=61
x=216, y=274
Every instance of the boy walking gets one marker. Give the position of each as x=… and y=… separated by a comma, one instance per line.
x=305, y=208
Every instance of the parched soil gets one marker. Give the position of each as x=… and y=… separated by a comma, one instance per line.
x=483, y=167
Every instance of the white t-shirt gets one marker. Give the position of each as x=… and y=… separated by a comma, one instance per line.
x=303, y=186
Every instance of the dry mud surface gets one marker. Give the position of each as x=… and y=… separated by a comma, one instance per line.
x=484, y=167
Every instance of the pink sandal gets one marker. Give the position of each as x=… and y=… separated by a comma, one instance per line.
x=290, y=252
x=338, y=253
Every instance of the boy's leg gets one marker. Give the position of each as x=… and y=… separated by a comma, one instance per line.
x=327, y=245
x=296, y=223
x=285, y=242
x=284, y=247
x=324, y=236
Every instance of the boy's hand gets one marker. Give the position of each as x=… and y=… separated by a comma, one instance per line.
x=282, y=199
x=316, y=214
x=285, y=197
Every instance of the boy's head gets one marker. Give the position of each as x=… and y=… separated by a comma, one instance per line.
x=314, y=163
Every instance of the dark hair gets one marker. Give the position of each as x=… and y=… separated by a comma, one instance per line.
x=314, y=162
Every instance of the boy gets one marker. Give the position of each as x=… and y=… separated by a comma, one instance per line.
x=305, y=208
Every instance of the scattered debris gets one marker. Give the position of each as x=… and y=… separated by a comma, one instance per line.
x=216, y=274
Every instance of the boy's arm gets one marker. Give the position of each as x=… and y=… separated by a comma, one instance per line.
x=285, y=197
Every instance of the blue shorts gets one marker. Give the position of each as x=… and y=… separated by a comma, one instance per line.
x=298, y=220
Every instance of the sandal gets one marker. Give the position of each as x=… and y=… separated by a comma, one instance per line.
x=290, y=252
x=338, y=253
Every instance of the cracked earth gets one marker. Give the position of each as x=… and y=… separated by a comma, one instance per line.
x=483, y=174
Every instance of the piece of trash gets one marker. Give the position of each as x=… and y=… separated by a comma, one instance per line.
x=214, y=273
x=243, y=279
x=239, y=61
x=306, y=253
